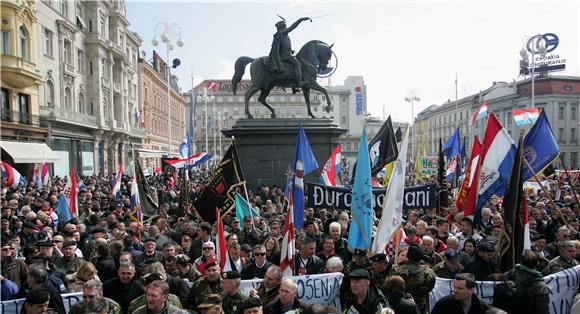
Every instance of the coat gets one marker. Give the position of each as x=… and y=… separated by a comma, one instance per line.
x=538, y=296
x=122, y=293
x=276, y=307
x=402, y=304
x=253, y=271
x=374, y=302
x=448, y=305
x=314, y=265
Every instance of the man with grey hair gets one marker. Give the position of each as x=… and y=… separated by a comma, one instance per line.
x=486, y=221
x=157, y=295
x=566, y=260
x=562, y=234
x=340, y=243
x=428, y=246
x=334, y=265
x=38, y=278
x=177, y=285
x=93, y=290
x=287, y=299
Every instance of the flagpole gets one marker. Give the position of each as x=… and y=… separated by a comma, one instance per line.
x=248, y=200
x=478, y=169
x=570, y=179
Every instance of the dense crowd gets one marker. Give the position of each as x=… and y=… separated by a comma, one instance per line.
x=170, y=266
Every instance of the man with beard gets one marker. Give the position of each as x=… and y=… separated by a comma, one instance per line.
x=210, y=283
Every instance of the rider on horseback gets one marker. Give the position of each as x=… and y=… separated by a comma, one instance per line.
x=282, y=50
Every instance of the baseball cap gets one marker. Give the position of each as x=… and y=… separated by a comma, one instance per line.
x=452, y=255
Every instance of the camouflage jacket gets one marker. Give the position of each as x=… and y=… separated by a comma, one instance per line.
x=419, y=280
x=140, y=301
x=230, y=303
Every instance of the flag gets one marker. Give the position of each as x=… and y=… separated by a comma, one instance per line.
x=287, y=253
x=465, y=188
x=195, y=160
x=135, y=206
x=221, y=248
x=244, y=209
x=395, y=243
x=387, y=173
x=382, y=148
x=304, y=163
x=540, y=147
x=212, y=85
x=36, y=178
x=220, y=191
x=392, y=213
x=497, y=157
x=186, y=147
x=116, y=191
x=398, y=135
x=480, y=113
x=442, y=193
x=71, y=192
x=515, y=221
x=526, y=116
x=360, y=231
x=13, y=177
x=453, y=146
x=63, y=209
x=451, y=169
x=331, y=169
x=147, y=199
x=44, y=175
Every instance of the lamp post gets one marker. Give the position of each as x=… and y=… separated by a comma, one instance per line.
x=205, y=98
x=535, y=45
x=220, y=132
x=167, y=32
x=412, y=97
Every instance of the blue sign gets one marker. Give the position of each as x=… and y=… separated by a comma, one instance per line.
x=359, y=102
x=551, y=42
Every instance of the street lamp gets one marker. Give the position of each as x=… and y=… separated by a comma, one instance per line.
x=167, y=32
x=205, y=98
x=412, y=97
x=535, y=45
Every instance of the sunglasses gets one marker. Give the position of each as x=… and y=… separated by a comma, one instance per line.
x=89, y=296
x=260, y=254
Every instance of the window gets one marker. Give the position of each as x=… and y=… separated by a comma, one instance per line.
x=23, y=106
x=348, y=145
x=103, y=24
x=23, y=36
x=49, y=94
x=80, y=61
x=573, y=136
x=561, y=112
x=64, y=8
x=67, y=51
x=560, y=135
x=573, y=109
x=91, y=68
x=6, y=105
x=67, y=99
x=81, y=103
x=5, y=42
x=48, y=43
x=104, y=68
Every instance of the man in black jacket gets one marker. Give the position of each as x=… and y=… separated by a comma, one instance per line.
x=287, y=299
x=483, y=267
x=258, y=267
x=463, y=297
x=125, y=288
x=363, y=297
x=306, y=263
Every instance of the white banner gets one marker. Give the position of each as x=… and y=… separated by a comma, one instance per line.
x=15, y=306
x=322, y=289
x=562, y=287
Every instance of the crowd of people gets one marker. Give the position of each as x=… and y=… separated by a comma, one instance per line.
x=169, y=264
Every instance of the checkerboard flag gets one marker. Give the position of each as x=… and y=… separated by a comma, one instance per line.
x=71, y=192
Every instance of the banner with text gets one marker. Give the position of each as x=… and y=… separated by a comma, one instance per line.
x=322, y=289
x=322, y=196
x=562, y=286
x=429, y=165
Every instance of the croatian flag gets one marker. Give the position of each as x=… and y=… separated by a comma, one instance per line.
x=135, y=205
x=287, y=253
x=221, y=249
x=193, y=161
x=480, y=113
x=212, y=85
x=497, y=157
x=526, y=116
x=117, y=184
x=44, y=174
x=331, y=168
x=13, y=177
x=71, y=192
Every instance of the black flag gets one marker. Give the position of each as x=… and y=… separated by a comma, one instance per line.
x=220, y=191
x=399, y=135
x=442, y=195
x=513, y=203
x=148, y=200
x=383, y=148
x=183, y=200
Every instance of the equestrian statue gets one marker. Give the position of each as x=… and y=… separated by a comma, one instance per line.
x=281, y=68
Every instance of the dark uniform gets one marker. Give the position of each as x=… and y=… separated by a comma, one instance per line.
x=558, y=264
x=201, y=288
x=231, y=302
x=378, y=278
x=419, y=278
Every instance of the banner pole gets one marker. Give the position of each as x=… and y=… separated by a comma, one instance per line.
x=577, y=209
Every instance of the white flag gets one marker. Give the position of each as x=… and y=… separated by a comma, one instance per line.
x=393, y=206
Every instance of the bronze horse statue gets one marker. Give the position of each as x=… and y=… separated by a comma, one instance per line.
x=313, y=57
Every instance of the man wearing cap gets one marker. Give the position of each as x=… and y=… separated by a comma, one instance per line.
x=359, y=261
x=419, y=278
x=212, y=304
x=150, y=253
x=47, y=247
x=483, y=266
x=232, y=296
x=208, y=284
x=450, y=265
x=381, y=269
x=363, y=296
x=36, y=301
x=251, y=306
x=27, y=234
x=538, y=246
x=69, y=262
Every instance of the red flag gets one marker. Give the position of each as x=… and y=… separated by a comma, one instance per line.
x=467, y=182
x=287, y=254
x=527, y=240
x=221, y=250
x=71, y=192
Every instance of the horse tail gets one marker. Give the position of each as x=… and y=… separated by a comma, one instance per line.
x=240, y=68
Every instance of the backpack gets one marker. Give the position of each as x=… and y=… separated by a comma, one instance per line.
x=509, y=296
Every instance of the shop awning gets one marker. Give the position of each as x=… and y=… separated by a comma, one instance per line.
x=149, y=153
x=29, y=153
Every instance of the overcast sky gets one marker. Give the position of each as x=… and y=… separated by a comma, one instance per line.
x=396, y=46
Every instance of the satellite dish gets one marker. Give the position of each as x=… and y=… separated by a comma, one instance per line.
x=176, y=63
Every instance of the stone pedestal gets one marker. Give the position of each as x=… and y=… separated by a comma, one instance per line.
x=267, y=147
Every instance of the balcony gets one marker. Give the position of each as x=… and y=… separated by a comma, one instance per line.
x=18, y=117
x=106, y=83
x=69, y=69
x=119, y=125
x=19, y=72
x=64, y=115
x=137, y=132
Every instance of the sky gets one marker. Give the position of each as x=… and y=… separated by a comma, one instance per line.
x=395, y=46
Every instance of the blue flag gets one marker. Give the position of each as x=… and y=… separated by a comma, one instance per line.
x=359, y=236
x=63, y=210
x=540, y=147
x=243, y=209
x=304, y=163
x=452, y=147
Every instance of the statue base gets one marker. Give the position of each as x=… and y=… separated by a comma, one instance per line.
x=267, y=147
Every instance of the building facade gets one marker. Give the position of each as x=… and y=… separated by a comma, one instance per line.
x=153, y=112
x=559, y=96
x=88, y=64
